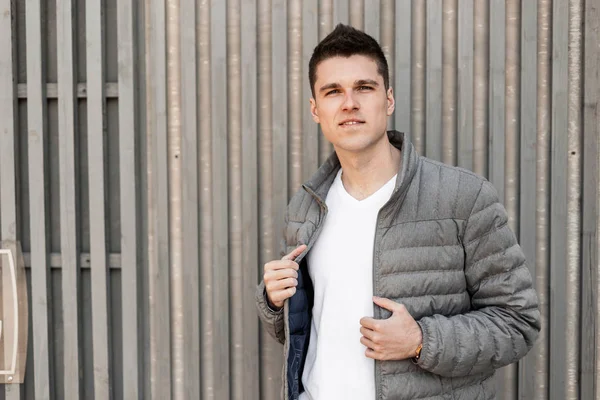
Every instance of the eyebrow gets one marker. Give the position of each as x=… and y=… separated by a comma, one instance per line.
x=359, y=82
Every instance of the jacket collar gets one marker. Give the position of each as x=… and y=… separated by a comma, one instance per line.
x=322, y=180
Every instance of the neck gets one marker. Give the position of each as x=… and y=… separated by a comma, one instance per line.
x=367, y=171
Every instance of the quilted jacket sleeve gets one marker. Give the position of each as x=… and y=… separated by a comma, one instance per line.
x=272, y=320
x=505, y=320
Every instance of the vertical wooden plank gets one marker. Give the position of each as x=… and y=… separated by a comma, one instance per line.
x=8, y=138
x=465, y=106
x=326, y=11
x=591, y=280
x=574, y=192
x=592, y=78
x=96, y=103
x=497, y=51
x=433, y=84
x=387, y=40
x=559, y=341
x=449, y=81
x=589, y=254
x=158, y=228
x=175, y=198
x=402, y=71
x=512, y=115
x=418, y=59
x=481, y=77
x=295, y=145
x=310, y=38
x=204, y=89
x=128, y=168
x=372, y=18
x=271, y=351
x=250, y=351
x=8, y=123
x=221, y=219
x=36, y=134
x=387, y=34
x=266, y=238
x=356, y=10
x=527, y=190
x=512, y=90
x=142, y=137
x=190, y=224
x=542, y=215
x=234, y=195
x=341, y=12
x=67, y=121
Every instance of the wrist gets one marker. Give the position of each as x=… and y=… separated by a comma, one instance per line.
x=419, y=347
x=272, y=307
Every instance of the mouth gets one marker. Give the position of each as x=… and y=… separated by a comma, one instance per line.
x=351, y=122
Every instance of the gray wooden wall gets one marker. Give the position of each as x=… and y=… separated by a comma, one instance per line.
x=148, y=149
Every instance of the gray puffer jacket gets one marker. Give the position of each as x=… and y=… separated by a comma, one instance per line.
x=443, y=249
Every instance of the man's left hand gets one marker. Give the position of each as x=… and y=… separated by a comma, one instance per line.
x=395, y=338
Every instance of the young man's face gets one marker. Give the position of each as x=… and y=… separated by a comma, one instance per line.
x=351, y=102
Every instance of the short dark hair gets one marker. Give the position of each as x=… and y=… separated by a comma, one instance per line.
x=346, y=41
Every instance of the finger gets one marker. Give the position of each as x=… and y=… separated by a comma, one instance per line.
x=370, y=353
x=275, y=275
x=280, y=295
x=387, y=304
x=281, y=264
x=367, y=343
x=370, y=323
x=295, y=253
x=367, y=333
x=281, y=284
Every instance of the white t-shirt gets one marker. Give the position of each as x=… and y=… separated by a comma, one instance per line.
x=340, y=265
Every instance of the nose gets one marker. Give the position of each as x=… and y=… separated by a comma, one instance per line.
x=350, y=102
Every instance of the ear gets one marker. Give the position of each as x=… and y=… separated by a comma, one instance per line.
x=391, y=102
x=313, y=110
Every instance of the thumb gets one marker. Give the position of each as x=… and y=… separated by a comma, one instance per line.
x=386, y=303
x=295, y=253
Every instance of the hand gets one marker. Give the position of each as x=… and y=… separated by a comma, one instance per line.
x=395, y=338
x=281, y=277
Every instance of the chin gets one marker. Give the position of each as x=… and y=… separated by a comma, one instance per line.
x=355, y=146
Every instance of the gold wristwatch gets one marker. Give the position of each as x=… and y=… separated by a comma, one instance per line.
x=418, y=352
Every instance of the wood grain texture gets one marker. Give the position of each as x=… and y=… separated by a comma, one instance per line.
x=574, y=178
x=159, y=316
x=97, y=194
x=67, y=121
x=433, y=81
x=527, y=173
x=466, y=80
x=543, y=179
x=220, y=211
x=190, y=136
x=129, y=188
x=37, y=139
x=558, y=201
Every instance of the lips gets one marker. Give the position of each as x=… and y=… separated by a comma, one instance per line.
x=351, y=122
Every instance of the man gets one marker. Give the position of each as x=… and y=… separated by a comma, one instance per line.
x=400, y=277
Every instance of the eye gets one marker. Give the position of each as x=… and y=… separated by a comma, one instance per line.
x=334, y=91
x=365, y=88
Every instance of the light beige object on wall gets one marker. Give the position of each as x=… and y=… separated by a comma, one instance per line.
x=13, y=313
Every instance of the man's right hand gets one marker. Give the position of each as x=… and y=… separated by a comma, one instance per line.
x=281, y=277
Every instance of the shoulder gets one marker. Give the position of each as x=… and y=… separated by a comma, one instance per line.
x=468, y=185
